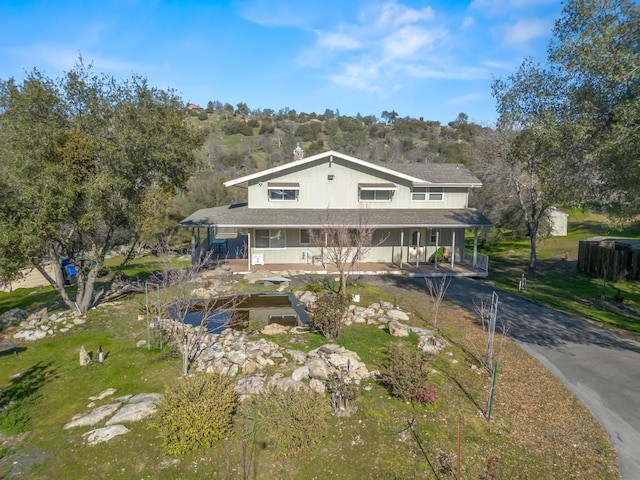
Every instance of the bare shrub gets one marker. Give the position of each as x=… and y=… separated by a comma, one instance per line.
x=404, y=372
x=437, y=290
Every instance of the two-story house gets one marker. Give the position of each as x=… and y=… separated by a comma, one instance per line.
x=416, y=210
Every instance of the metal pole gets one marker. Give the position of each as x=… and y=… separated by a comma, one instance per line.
x=493, y=387
x=459, y=441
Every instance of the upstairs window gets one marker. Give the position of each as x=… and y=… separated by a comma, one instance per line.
x=376, y=192
x=283, y=192
x=436, y=194
x=419, y=194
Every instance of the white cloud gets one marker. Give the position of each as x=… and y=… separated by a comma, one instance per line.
x=526, y=30
x=468, y=22
x=394, y=15
x=408, y=41
x=338, y=41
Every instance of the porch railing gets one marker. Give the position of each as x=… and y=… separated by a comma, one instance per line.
x=481, y=260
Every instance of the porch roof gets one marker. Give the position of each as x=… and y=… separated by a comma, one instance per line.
x=240, y=216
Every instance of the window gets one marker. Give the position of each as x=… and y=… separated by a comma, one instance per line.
x=376, y=192
x=305, y=237
x=434, y=237
x=419, y=194
x=283, y=192
x=270, y=238
x=436, y=194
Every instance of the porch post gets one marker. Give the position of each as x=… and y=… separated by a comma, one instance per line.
x=208, y=238
x=453, y=250
x=401, y=246
x=249, y=250
x=193, y=246
x=435, y=257
x=475, y=247
x=418, y=250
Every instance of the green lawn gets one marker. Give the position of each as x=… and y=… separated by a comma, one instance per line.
x=372, y=443
x=556, y=281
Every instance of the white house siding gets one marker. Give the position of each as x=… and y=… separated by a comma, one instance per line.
x=317, y=191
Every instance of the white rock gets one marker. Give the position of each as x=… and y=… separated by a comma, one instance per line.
x=300, y=373
x=398, y=329
x=104, y=434
x=30, y=335
x=103, y=394
x=397, y=315
x=94, y=416
x=317, y=386
x=133, y=412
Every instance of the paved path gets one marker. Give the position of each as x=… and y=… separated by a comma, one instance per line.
x=600, y=367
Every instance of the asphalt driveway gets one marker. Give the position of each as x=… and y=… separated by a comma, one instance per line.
x=600, y=367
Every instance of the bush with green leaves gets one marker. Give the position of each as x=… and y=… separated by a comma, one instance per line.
x=289, y=421
x=404, y=372
x=195, y=413
x=327, y=314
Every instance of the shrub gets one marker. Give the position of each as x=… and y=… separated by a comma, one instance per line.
x=328, y=313
x=195, y=413
x=404, y=372
x=290, y=421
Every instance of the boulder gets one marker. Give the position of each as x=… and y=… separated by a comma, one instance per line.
x=275, y=329
x=92, y=417
x=104, y=434
x=300, y=373
x=398, y=329
x=317, y=386
x=318, y=369
x=103, y=394
x=133, y=412
x=397, y=315
x=12, y=317
x=30, y=335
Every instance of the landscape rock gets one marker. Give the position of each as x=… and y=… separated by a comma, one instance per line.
x=133, y=412
x=103, y=394
x=85, y=359
x=104, y=434
x=397, y=315
x=30, y=335
x=300, y=373
x=12, y=317
x=398, y=329
x=92, y=417
x=274, y=329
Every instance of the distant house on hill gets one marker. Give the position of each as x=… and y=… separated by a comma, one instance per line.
x=558, y=222
x=194, y=106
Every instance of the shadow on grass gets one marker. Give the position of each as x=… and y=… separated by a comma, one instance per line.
x=21, y=392
x=26, y=384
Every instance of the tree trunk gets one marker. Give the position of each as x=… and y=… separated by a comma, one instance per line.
x=532, y=256
x=59, y=288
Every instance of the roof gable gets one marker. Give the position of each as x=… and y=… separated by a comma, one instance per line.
x=416, y=173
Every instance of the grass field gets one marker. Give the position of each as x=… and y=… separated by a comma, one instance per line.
x=538, y=430
x=556, y=281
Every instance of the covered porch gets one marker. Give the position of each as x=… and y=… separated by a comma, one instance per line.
x=424, y=243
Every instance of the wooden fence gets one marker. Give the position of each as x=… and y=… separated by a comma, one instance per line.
x=611, y=259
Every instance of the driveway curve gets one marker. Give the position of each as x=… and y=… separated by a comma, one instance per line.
x=601, y=367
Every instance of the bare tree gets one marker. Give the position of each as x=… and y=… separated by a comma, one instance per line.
x=344, y=244
x=437, y=290
x=189, y=317
x=487, y=310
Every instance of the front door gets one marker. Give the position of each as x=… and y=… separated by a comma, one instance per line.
x=416, y=251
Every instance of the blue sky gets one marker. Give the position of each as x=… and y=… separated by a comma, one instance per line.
x=430, y=59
